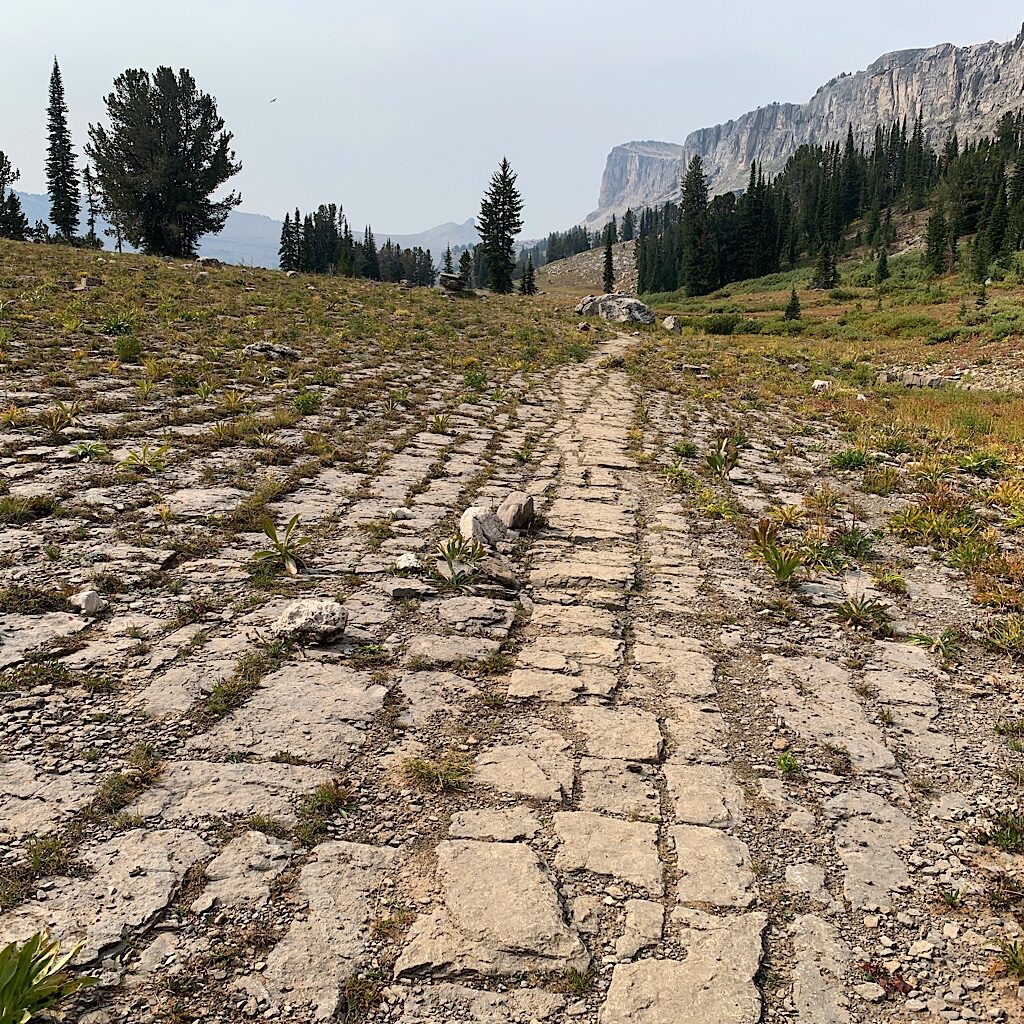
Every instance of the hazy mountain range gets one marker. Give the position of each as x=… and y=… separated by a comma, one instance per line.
x=253, y=239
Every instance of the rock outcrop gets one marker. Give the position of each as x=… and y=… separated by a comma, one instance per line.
x=967, y=87
x=616, y=308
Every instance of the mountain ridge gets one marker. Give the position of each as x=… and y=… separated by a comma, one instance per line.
x=967, y=87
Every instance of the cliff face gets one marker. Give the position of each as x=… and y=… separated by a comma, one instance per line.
x=968, y=88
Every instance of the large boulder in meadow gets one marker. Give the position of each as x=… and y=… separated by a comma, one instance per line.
x=616, y=308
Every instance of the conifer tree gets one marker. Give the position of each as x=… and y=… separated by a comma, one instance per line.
x=528, y=283
x=882, y=266
x=628, y=226
x=826, y=274
x=499, y=223
x=92, y=207
x=163, y=156
x=13, y=222
x=286, y=252
x=449, y=264
x=61, y=175
x=793, y=307
x=696, y=257
x=608, y=278
x=466, y=268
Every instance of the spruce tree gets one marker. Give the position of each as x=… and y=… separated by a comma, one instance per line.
x=882, y=266
x=499, y=223
x=466, y=268
x=628, y=226
x=13, y=222
x=285, y=252
x=792, y=311
x=163, y=156
x=696, y=257
x=608, y=279
x=61, y=175
x=530, y=277
x=92, y=207
x=449, y=264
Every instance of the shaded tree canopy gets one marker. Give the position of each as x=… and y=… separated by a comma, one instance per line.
x=163, y=156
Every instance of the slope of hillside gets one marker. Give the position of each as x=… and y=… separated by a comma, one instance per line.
x=582, y=274
x=968, y=88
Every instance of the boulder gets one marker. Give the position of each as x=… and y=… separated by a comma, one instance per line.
x=516, y=511
x=202, y=277
x=617, y=308
x=312, y=621
x=269, y=350
x=88, y=602
x=480, y=524
x=822, y=386
x=671, y=323
x=451, y=283
x=209, y=261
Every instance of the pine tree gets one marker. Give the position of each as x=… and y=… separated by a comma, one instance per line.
x=628, y=226
x=882, y=266
x=826, y=275
x=466, y=268
x=61, y=175
x=499, y=223
x=164, y=155
x=608, y=279
x=696, y=258
x=286, y=252
x=793, y=307
x=528, y=283
x=449, y=264
x=13, y=222
x=92, y=207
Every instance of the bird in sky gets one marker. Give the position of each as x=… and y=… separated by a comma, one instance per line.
x=274, y=100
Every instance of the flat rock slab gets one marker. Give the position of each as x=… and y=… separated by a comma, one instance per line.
x=134, y=878
x=503, y=826
x=822, y=963
x=448, y=650
x=198, y=789
x=622, y=732
x=34, y=800
x=619, y=787
x=501, y=915
x=311, y=710
x=682, y=667
x=869, y=833
x=704, y=794
x=432, y=693
x=328, y=945
x=815, y=699
x=714, y=867
x=456, y=1003
x=627, y=850
x=23, y=634
x=240, y=875
x=713, y=985
x=539, y=767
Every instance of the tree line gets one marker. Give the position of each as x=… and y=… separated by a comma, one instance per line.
x=700, y=244
x=151, y=171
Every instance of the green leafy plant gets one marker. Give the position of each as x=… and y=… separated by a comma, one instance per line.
x=150, y=458
x=59, y=417
x=285, y=547
x=788, y=765
x=725, y=458
x=867, y=613
x=946, y=643
x=89, y=451
x=783, y=562
x=35, y=976
x=850, y=458
x=305, y=403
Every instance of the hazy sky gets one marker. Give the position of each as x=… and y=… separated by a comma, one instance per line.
x=401, y=109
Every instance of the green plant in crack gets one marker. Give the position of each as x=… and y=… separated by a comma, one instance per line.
x=284, y=550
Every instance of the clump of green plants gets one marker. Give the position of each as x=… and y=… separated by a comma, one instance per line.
x=306, y=403
x=889, y=580
x=850, y=458
x=1006, y=634
x=1012, y=956
x=444, y=776
x=150, y=458
x=946, y=643
x=725, y=458
x=22, y=600
x=36, y=977
x=319, y=808
x=882, y=481
x=284, y=550
x=1006, y=832
x=865, y=613
x=787, y=765
x=128, y=349
x=58, y=417
x=89, y=451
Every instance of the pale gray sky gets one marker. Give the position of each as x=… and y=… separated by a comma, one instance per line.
x=400, y=110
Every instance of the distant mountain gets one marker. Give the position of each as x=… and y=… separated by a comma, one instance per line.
x=253, y=239
x=968, y=88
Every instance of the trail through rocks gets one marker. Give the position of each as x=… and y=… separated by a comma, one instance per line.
x=618, y=844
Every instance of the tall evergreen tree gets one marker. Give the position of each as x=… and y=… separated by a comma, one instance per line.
x=696, y=257
x=466, y=268
x=164, y=155
x=628, y=231
x=608, y=277
x=528, y=284
x=286, y=254
x=499, y=223
x=92, y=206
x=448, y=266
x=61, y=175
x=882, y=266
x=792, y=311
